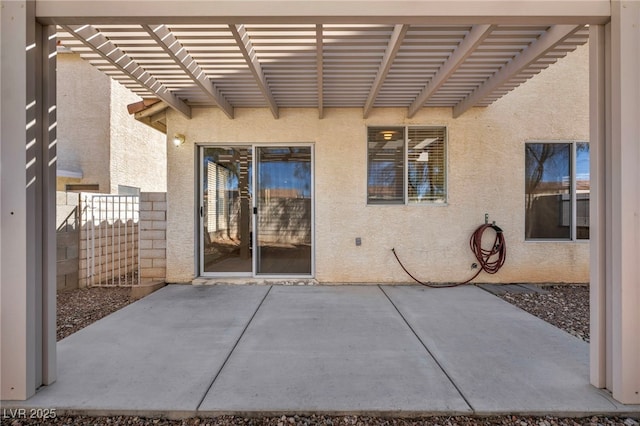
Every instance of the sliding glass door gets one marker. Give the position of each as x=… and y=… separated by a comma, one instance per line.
x=225, y=212
x=256, y=224
x=283, y=223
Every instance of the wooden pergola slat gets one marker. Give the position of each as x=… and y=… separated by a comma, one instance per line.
x=547, y=41
x=92, y=38
x=395, y=41
x=179, y=54
x=468, y=45
x=244, y=43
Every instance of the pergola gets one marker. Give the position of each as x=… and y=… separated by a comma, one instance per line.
x=320, y=65
x=316, y=54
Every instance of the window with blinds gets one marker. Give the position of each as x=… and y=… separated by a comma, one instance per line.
x=406, y=165
x=385, y=165
x=426, y=161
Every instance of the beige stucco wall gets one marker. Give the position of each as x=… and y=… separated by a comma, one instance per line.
x=98, y=137
x=138, y=152
x=83, y=112
x=486, y=175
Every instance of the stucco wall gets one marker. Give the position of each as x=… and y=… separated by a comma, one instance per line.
x=83, y=113
x=138, y=152
x=98, y=137
x=486, y=175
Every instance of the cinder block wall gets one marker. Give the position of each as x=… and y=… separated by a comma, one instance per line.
x=153, y=237
x=67, y=240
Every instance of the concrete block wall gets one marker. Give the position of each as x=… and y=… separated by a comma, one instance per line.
x=67, y=240
x=153, y=237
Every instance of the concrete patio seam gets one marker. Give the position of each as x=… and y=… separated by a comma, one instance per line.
x=455, y=385
x=232, y=349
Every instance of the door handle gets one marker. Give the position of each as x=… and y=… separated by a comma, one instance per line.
x=255, y=210
x=201, y=211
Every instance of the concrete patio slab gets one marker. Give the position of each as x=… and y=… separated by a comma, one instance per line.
x=403, y=351
x=501, y=358
x=331, y=350
x=157, y=355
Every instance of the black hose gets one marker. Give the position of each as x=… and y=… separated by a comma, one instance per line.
x=490, y=260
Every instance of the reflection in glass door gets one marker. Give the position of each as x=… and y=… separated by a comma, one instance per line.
x=225, y=215
x=284, y=210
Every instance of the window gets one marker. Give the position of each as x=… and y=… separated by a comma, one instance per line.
x=128, y=190
x=82, y=187
x=406, y=165
x=557, y=190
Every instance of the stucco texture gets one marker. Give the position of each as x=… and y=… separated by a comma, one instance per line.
x=485, y=175
x=138, y=152
x=83, y=112
x=98, y=137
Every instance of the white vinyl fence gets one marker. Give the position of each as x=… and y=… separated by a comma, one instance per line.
x=109, y=240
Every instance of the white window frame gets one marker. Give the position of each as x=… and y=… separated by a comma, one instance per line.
x=405, y=176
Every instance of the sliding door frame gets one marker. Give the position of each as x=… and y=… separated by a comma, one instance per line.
x=199, y=219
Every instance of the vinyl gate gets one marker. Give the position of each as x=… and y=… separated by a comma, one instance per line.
x=111, y=240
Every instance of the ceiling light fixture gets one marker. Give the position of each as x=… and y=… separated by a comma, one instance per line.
x=178, y=139
x=387, y=135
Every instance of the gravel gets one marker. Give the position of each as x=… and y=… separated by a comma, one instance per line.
x=80, y=307
x=564, y=306
x=338, y=421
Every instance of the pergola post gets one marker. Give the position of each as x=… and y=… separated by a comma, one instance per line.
x=615, y=203
x=27, y=201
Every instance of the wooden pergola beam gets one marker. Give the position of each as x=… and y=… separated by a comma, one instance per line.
x=246, y=47
x=165, y=39
x=100, y=44
x=395, y=41
x=419, y=12
x=554, y=35
x=468, y=45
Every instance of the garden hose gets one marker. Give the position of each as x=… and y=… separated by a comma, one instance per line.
x=490, y=260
